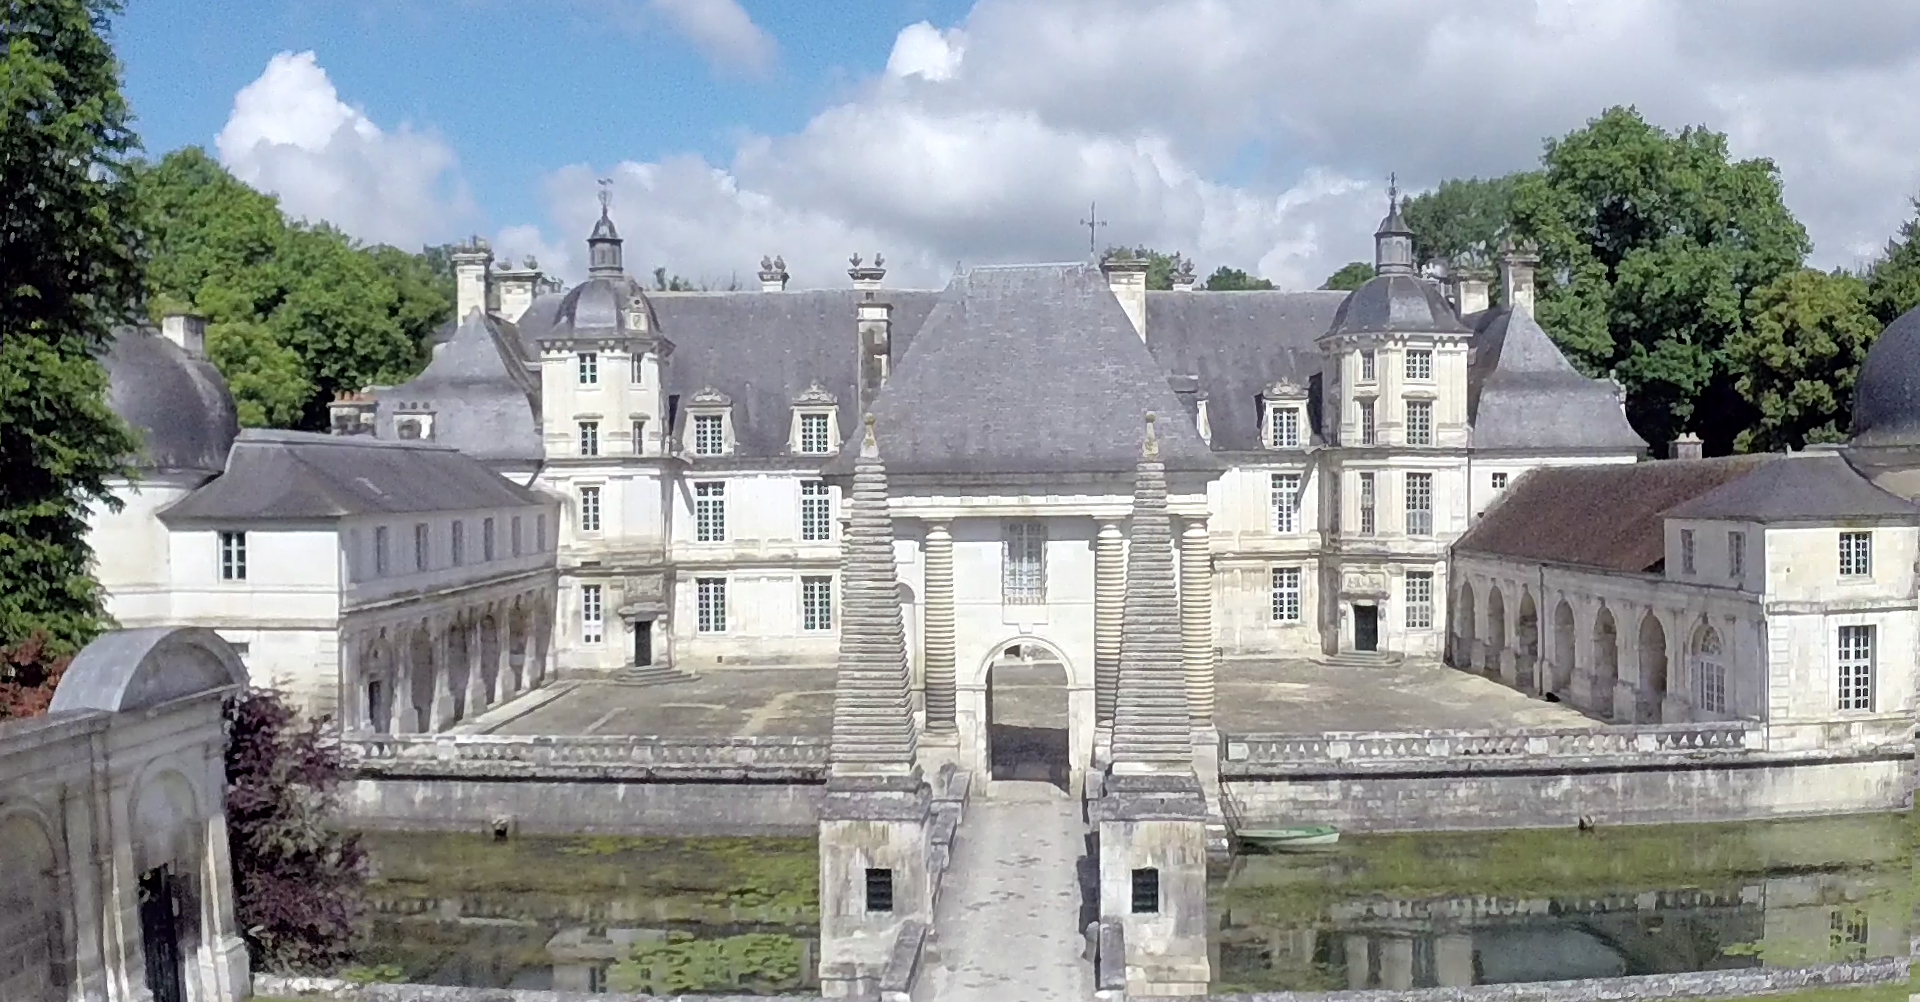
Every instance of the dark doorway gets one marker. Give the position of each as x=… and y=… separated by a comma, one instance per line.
x=642, y=643
x=160, y=935
x=376, y=706
x=1027, y=716
x=1366, y=627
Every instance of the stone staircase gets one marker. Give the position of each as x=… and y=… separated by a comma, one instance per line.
x=1360, y=659
x=650, y=675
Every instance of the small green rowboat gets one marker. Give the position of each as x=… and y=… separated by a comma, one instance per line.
x=1290, y=838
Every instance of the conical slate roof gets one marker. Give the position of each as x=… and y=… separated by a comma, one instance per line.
x=873, y=726
x=1150, y=720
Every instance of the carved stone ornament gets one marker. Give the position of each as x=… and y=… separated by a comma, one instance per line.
x=1284, y=390
x=710, y=397
x=1364, y=583
x=815, y=396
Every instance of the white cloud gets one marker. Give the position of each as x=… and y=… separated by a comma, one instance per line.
x=290, y=134
x=722, y=30
x=924, y=50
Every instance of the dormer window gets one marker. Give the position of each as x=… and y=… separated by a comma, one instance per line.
x=1286, y=415
x=709, y=435
x=812, y=433
x=709, y=430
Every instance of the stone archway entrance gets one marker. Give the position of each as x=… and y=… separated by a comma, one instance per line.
x=1028, y=723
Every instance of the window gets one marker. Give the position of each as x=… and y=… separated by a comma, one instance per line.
x=1500, y=481
x=1419, y=422
x=1366, y=504
x=1366, y=422
x=1286, y=502
x=879, y=889
x=1024, y=578
x=459, y=553
x=1709, y=673
x=1856, y=554
x=1736, y=555
x=422, y=546
x=380, y=551
x=816, y=511
x=1856, y=667
x=1686, y=551
x=1848, y=933
x=589, y=509
x=709, y=511
x=233, y=556
x=712, y=611
x=589, y=438
x=1146, y=891
x=1419, y=600
x=813, y=434
x=1286, y=594
x=1420, y=364
x=1366, y=366
x=591, y=623
x=516, y=535
x=708, y=435
x=816, y=603
x=1419, y=504
x=1284, y=427
x=589, y=368
x=486, y=539
x=639, y=435
x=638, y=370
x=540, y=525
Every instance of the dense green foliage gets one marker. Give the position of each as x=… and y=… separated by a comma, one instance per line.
x=69, y=271
x=296, y=312
x=1225, y=279
x=1798, y=356
x=1893, y=283
x=1351, y=276
x=1461, y=222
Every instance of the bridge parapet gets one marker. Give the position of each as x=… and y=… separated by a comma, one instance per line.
x=558, y=757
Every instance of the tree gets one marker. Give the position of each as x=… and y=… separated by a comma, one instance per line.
x=1225, y=279
x=1893, y=283
x=1797, y=361
x=662, y=283
x=1650, y=245
x=29, y=672
x=1461, y=221
x=1351, y=276
x=1160, y=267
x=69, y=272
x=297, y=881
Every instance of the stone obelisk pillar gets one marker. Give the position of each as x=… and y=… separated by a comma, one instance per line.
x=938, y=627
x=1109, y=593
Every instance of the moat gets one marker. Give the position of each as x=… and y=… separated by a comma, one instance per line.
x=1394, y=911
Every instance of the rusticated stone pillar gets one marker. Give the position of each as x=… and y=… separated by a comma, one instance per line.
x=937, y=628
x=1109, y=597
x=1196, y=619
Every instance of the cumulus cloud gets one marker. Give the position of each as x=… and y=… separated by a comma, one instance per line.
x=722, y=30
x=290, y=134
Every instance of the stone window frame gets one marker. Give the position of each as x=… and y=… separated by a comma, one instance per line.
x=1706, y=662
x=587, y=368
x=702, y=409
x=232, y=551
x=588, y=440
x=1367, y=496
x=1856, y=554
x=1286, y=487
x=457, y=550
x=1422, y=373
x=710, y=605
x=422, y=547
x=1416, y=607
x=639, y=427
x=517, y=538
x=1736, y=554
x=1028, y=584
x=1499, y=479
x=487, y=540
x=1689, y=553
x=1288, y=588
x=1419, y=432
x=817, y=407
x=1418, y=490
x=1369, y=366
x=816, y=603
x=1855, y=647
x=591, y=497
x=1284, y=399
x=710, y=511
x=592, y=614
x=1368, y=421
x=382, y=564
x=816, y=511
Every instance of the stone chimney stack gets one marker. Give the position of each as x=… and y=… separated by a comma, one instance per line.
x=773, y=274
x=1183, y=280
x=517, y=287
x=874, y=327
x=1468, y=288
x=867, y=277
x=188, y=330
x=471, y=263
x=1516, y=274
x=1687, y=446
x=1127, y=277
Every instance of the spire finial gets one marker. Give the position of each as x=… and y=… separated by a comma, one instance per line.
x=1151, y=450
x=1393, y=188
x=869, y=446
x=606, y=194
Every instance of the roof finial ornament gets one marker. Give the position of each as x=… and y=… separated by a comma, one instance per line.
x=869, y=446
x=855, y=259
x=1151, y=450
x=1393, y=188
x=878, y=260
x=606, y=194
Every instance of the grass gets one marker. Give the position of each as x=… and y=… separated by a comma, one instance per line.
x=1891, y=991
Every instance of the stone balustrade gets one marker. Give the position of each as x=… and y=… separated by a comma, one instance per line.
x=551, y=757
x=1530, y=748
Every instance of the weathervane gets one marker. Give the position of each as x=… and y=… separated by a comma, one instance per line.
x=1092, y=223
x=606, y=194
x=1393, y=188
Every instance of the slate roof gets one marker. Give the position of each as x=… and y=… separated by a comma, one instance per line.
x=1238, y=344
x=1522, y=393
x=298, y=475
x=1886, y=397
x=484, y=399
x=179, y=404
x=1030, y=369
x=1606, y=516
x=1818, y=487
x=1394, y=303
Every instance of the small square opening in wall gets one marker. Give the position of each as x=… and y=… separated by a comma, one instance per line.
x=879, y=889
x=1146, y=891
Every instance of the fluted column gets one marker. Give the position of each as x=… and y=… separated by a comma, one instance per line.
x=1196, y=619
x=937, y=626
x=476, y=669
x=1109, y=598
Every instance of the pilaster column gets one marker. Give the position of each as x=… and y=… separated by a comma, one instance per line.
x=1196, y=619
x=1109, y=598
x=1359, y=961
x=937, y=627
x=440, y=712
x=355, y=714
x=476, y=669
x=1396, y=964
x=404, y=716
x=504, y=687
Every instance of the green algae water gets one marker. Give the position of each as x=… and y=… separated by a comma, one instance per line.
x=656, y=915
x=1450, y=909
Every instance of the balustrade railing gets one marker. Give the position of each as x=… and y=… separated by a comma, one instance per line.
x=556, y=756
x=1464, y=747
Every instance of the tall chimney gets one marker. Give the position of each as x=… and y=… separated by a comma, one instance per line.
x=188, y=330
x=1687, y=446
x=867, y=277
x=1127, y=277
x=517, y=287
x=773, y=274
x=1516, y=274
x=874, y=324
x=1468, y=287
x=470, y=264
x=1183, y=280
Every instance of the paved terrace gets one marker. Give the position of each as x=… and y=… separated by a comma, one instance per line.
x=1291, y=696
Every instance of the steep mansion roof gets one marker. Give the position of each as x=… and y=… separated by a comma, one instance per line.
x=1814, y=487
x=1522, y=393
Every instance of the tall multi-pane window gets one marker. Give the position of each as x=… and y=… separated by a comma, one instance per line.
x=516, y=535
x=637, y=372
x=1687, y=551
x=540, y=524
x=1366, y=504
x=1284, y=427
x=1366, y=366
x=1419, y=600
x=711, y=597
x=592, y=623
x=816, y=511
x=816, y=603
x=589, y=509
x=1366, y=422
x=233, y=556
x=1420, y=364
x=1024, y=578
x=813, y=434
x=1736, y=555
x=639, y=435
x=1286, y=594
x=709, y=437
x=1709, y=673
x=422, y=546
x=1419, y=422
x=1286, y=502
x=1419, y=504
x=1855, y=662
x=459, y=550
x=1856, y=554
x=709, y=511
x=486, y=539
x=589, y=438
x=380, y=550
x=589, y=368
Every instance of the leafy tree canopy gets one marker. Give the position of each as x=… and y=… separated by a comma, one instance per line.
x=1796, y=361
x=1160, y=266
x=1225, y=279
x=1461, y=221
x=1351, y=276
x=69, y=272
x=1893, y=283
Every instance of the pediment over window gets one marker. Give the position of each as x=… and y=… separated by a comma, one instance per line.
x=1285, y=390
x=815, y=396
x=710, y=397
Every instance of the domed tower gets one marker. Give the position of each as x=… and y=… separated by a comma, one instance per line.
x=1886, y=409
x=1396, y=371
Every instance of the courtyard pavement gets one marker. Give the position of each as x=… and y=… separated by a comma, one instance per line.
x=1290, y=696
